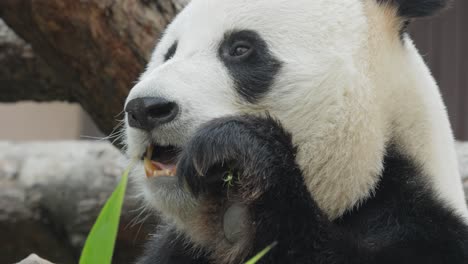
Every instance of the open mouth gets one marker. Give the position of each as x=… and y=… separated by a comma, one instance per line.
x=160, y=161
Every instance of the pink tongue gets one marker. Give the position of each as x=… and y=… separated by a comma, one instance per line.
x=162, y=166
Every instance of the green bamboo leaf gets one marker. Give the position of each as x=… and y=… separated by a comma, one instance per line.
x=261, y=254
x=99, y=246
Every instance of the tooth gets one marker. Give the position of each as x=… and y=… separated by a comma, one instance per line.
x=149, y=167
x=149, y=151
x=173, y=172
x=158, y=173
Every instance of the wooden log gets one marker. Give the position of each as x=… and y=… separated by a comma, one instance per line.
x=96, y=49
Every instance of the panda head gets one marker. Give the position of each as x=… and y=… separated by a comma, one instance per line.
x=325, y=68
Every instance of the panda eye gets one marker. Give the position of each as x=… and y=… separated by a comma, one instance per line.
x=240, y=49
x=171, y=52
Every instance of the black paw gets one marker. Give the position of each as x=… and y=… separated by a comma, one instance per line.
x=246, y=153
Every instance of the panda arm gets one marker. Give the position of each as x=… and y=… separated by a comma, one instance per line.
x=403, y=223
x=167, y=246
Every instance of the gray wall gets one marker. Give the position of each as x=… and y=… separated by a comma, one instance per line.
x=443, y=41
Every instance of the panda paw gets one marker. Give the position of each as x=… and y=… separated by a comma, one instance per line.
x=246, y=154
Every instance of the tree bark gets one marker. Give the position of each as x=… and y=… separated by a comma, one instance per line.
x=25, y=76
x=51, y=194
x=90, y=51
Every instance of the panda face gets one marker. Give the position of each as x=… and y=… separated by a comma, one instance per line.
x=292, y=59
x=227, y=57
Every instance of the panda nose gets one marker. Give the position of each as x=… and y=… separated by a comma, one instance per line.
x=148, y=113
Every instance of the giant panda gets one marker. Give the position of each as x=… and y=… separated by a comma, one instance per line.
x=312, y=126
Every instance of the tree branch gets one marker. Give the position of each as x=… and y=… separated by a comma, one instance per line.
x=25, y=76
x=93, y=50
x=51, y=194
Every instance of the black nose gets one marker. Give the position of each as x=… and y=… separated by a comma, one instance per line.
x=149, y=112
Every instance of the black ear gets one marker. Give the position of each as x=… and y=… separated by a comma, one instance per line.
x=416, y=8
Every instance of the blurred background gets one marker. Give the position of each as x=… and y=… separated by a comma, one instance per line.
x=65, y=69
x=29, y=121
x=442, y=40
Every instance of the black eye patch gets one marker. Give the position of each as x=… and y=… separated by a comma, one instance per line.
x=170, y=52
x=249, y=62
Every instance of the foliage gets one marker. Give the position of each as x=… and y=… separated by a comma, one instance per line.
x=99, y=246
x=261, y=254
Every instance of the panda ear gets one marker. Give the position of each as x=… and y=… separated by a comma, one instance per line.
x=416, y=8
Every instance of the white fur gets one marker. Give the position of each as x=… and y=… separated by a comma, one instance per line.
x=348, y=86
x=413, y=105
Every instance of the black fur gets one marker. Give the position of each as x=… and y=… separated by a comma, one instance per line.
x=171, y=52
x=403, y=222
x=404, y=29
x=254, y=73
x=417, y=8
x=168, y=247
